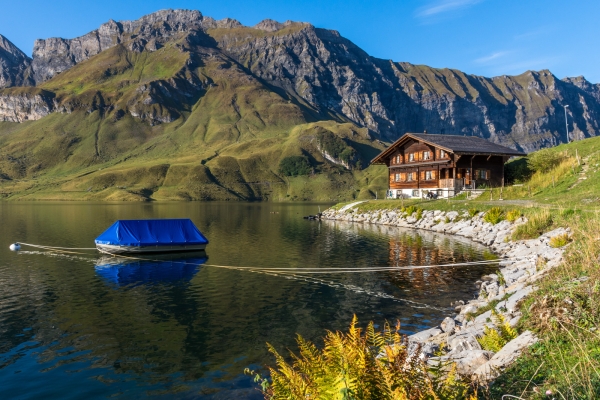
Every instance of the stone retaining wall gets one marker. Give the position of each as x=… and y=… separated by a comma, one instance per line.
x=524, y=262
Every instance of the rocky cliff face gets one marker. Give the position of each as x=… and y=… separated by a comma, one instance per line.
x=25, y=105
x=334, y=76
x=149, y=33
x=336, y=79
x=13, y=65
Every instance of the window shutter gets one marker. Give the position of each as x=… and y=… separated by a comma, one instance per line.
x=433, y=174
x=487, y=174
x=403, y=176
x=422, y=175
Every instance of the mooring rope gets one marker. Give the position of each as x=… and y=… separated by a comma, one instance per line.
x=41, y=246
x=297, y=273
x=288, y=270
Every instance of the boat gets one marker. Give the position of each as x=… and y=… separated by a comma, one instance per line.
x=137, y=236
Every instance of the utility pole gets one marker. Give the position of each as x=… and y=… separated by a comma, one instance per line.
x=566, y=123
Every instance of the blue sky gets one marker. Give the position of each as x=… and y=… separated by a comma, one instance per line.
x=484, y=37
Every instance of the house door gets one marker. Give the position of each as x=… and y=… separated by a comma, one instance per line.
x=467, y=176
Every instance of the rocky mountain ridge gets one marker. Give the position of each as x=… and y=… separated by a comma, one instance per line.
x=338, y=80
x=178, y=106
x=13, y=65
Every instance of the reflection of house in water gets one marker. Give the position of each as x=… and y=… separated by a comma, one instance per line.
x=412, y=249
x=404, y=247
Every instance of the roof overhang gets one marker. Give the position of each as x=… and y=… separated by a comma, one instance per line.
x=380, y=158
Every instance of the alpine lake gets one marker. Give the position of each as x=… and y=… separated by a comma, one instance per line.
x=77, y=324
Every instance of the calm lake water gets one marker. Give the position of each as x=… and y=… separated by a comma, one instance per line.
x=81, y=326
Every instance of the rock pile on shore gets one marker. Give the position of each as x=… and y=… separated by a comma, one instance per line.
x=524, y=262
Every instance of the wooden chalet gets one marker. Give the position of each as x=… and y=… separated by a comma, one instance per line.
x=420, y=163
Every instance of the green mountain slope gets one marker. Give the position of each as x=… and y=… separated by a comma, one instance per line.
x=182, y=122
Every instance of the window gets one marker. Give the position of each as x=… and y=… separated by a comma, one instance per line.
x=397, y=178
x=411, y=157
x=398, y=159
x=426, y=155
x=428, y=175
x=415, y=193
x=482, y=174
x=409, y=176
x=442, y=154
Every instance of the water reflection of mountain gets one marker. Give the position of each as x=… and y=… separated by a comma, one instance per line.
x=139, y=270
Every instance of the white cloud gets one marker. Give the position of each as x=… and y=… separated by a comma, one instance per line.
x=533, y=33
x=492, y=57
x=444, y=6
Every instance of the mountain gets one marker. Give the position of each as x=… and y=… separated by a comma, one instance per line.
x=177, y=105
x=14, y=65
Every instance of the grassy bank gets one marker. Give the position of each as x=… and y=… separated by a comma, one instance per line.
x=565, y=310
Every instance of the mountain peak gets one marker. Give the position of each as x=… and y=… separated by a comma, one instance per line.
x=13, y=64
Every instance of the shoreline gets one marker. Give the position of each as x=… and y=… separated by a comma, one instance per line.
x=522, y=263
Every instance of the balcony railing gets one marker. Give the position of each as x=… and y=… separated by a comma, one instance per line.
x=457, y=183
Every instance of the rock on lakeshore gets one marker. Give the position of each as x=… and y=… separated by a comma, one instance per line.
x=523, y=263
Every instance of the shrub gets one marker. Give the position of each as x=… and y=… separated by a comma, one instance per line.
x=335, y=146
x=535, y=226
x=544, y=160
x=560, y=240
x=409, y=210
x=495, y=339
x=513, y=215
x=473, y=212
x=295, y=165
x=494, y=215
x=357, y=365
x=419, y=213
x=517, y=171
x=501, y=279
x=567, y=213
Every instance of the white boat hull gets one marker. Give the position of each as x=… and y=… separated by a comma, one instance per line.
x=115, y=249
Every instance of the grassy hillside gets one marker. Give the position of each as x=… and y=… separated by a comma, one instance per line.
x=176, y=125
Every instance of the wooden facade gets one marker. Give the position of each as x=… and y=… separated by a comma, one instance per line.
x=444, y=164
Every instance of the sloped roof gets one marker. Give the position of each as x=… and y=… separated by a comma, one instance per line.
x=454, y=144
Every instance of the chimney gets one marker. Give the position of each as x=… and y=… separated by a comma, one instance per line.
x=425, y=131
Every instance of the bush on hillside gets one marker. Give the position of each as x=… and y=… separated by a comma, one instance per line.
x=494, y=215
x=336, y=147
x=517, y=171
x=295, y=165
x=544, y=160
x=537, y=223
x=513, y=215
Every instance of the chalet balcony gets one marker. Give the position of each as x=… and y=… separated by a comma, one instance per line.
x=456, y=184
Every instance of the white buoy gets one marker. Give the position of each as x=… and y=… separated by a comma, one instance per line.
x=15, y=247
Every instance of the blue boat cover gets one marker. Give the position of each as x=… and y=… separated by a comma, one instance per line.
x=152, y=232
